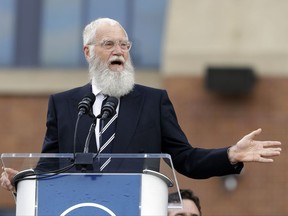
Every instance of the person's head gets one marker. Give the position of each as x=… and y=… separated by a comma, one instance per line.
x=191, y=204
x=106, y=48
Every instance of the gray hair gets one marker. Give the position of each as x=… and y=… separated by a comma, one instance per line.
x=90, y=30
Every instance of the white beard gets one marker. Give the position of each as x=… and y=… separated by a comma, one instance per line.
x=111, y=83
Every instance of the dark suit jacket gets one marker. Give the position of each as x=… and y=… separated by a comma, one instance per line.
x=146, y=123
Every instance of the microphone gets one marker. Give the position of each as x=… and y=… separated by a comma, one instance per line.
x=86, y=104
x=84, y=107
x=109, y=108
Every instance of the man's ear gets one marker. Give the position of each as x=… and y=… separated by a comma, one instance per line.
x=86, y=52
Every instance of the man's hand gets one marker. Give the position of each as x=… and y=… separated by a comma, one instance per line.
x=6, y=178
x=250, y=150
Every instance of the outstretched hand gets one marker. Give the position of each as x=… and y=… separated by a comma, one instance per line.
x=250, y=150
x=6, y=178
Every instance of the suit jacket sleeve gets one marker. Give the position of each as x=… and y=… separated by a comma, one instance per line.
x=190, y=161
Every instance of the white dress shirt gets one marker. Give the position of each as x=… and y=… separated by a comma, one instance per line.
x=97, y=110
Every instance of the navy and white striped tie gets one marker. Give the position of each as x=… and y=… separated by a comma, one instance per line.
x=106, y=136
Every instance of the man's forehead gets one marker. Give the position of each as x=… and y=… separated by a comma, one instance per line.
x=110, y=32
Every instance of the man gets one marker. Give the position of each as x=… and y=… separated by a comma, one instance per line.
x=190, y=202
x=146, y=120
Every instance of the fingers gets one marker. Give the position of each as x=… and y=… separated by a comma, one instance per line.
x=265, y=160
x=6, y=177
x=271, y=144
x=264, y=155
x=264, y=143
x=10, y=172
x=270, y=152
x=269, y=148
x=254, y=133
x=5, y=182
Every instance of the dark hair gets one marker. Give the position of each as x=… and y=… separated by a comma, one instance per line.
x=185, y=194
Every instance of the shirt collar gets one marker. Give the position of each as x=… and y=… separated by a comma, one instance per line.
x=95, y=90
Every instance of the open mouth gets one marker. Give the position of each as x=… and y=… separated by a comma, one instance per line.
x=116, y=62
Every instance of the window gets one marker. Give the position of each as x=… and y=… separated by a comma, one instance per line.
x=48, y=33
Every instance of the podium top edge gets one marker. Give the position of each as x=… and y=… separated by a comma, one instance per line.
x=70, y=155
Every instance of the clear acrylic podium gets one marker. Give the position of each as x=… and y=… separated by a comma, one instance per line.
x=109, y=184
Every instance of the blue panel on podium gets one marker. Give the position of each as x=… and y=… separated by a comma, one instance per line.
x=89, y=194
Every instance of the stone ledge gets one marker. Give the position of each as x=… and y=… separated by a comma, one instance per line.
x=42, y=82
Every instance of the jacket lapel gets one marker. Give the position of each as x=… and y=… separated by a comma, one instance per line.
x=129, y=113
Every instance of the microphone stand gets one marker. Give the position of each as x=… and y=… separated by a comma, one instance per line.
x=101, y=122
x=80, y=114
x=90, y=133
x=84, y=160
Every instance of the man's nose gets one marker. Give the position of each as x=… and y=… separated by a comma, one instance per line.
x=117, y=49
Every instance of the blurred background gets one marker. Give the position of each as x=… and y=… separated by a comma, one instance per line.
x=224, y=64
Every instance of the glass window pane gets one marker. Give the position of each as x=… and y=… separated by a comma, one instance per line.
x=61, y=33
x=7, y=25
x=115, y=9
x=148, y=28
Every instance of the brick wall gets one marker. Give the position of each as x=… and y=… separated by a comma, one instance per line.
x=22, y=128
x=213, y=121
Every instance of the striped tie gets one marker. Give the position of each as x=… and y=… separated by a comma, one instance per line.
x=106, y=136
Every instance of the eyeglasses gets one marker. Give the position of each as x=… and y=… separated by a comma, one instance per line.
x=110, y=44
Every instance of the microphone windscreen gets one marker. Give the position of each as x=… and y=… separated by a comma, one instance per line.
x=86, y=103
x=109, y=107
